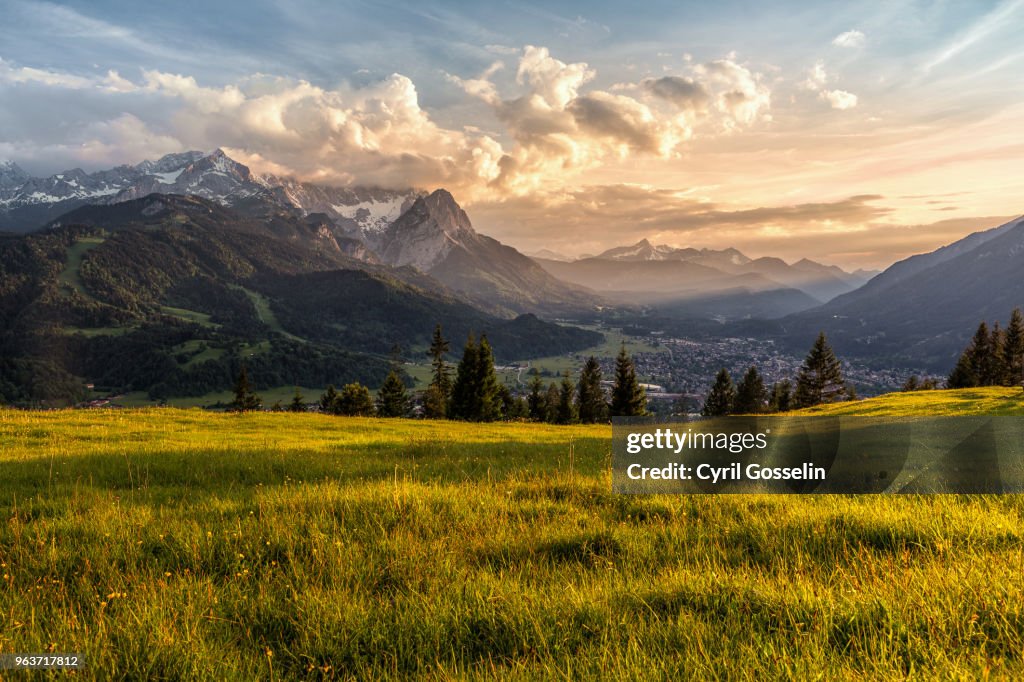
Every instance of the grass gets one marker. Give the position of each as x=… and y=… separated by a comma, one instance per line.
x=170, y=544
x=202, y=319
x=995, y=401
x=266, y=313
x=70, y=276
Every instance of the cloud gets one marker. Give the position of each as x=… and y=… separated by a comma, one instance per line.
x=625, y=213
x=377, y=134
x=849, y=39
x=816, y=77
x=816, y=81
x=855, y=231
x=554, y=123
x=736, y=92
x=558, y=126
x=685, y=93
x=839, y=99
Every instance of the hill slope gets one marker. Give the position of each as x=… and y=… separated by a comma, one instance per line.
x=171, y=294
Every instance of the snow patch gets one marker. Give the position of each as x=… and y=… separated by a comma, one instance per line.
x=372, y=215
x=168, y=178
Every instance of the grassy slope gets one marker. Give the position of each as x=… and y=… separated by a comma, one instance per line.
x=1001, y=401
x=186, y=544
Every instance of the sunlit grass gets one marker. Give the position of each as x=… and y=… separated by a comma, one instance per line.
x=180, y=544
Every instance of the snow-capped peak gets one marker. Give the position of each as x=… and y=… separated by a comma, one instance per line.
x=11, y=174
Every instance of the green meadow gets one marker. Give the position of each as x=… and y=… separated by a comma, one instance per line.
x=183, y=544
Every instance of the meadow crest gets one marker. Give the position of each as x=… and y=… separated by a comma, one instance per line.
x=170, y=544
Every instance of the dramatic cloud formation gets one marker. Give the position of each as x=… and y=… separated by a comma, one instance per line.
x=558, y=128
x=849, y=39
x=378, y=133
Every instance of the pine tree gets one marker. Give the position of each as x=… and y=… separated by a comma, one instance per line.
x=1014, y=349
x=998, y=371
x=628, y=396
x=722, y=396
x=593, y=408
x=536, y=401
x=355, y=401
x=298, y=403
x=246, y=399
x=392, y=398
x=963, y=375
x=551, y=404
x=912, y=384
x=465, y=389
x=506, y=400
x=781, y=397
x=751, y=396
x=435, y=405
x=488, y=396
x=821, y=377
x=980, y=355
x=329, y=401
x=566, y=413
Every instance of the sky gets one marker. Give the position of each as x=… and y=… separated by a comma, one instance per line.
x=850, y=133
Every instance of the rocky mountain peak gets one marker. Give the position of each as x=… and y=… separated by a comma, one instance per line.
x=11, y=174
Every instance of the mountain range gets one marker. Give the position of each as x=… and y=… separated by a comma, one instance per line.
x=199, y=249
x=922, y=310
x=394, y=227
x=701, y=282
x=171, y=294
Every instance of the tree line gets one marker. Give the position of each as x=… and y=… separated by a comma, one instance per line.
x=820, y=380
x=994, y=357
x=471, y=391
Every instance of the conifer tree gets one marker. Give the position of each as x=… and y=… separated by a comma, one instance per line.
x=980, y=355
x=566, y=408
x=355, y=401
x=998, y=370
x=1014, y=349
x=465, y=389
x=751, y=396
x=392, y=398
x=435, y=400
x=722, y=396
x=821, y=377
x=329, y=401
x=536, y=401
x=781, y=397
x=963, y=375
x=298, y=403
x=628, y=396
x=246, y=399
x=506, y=400
x=435, y=404
x=488, y=396
x=551, y=403
x=593, y=408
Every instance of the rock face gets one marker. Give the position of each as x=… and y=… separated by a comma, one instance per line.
x=436, y=236
x=424, y=235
